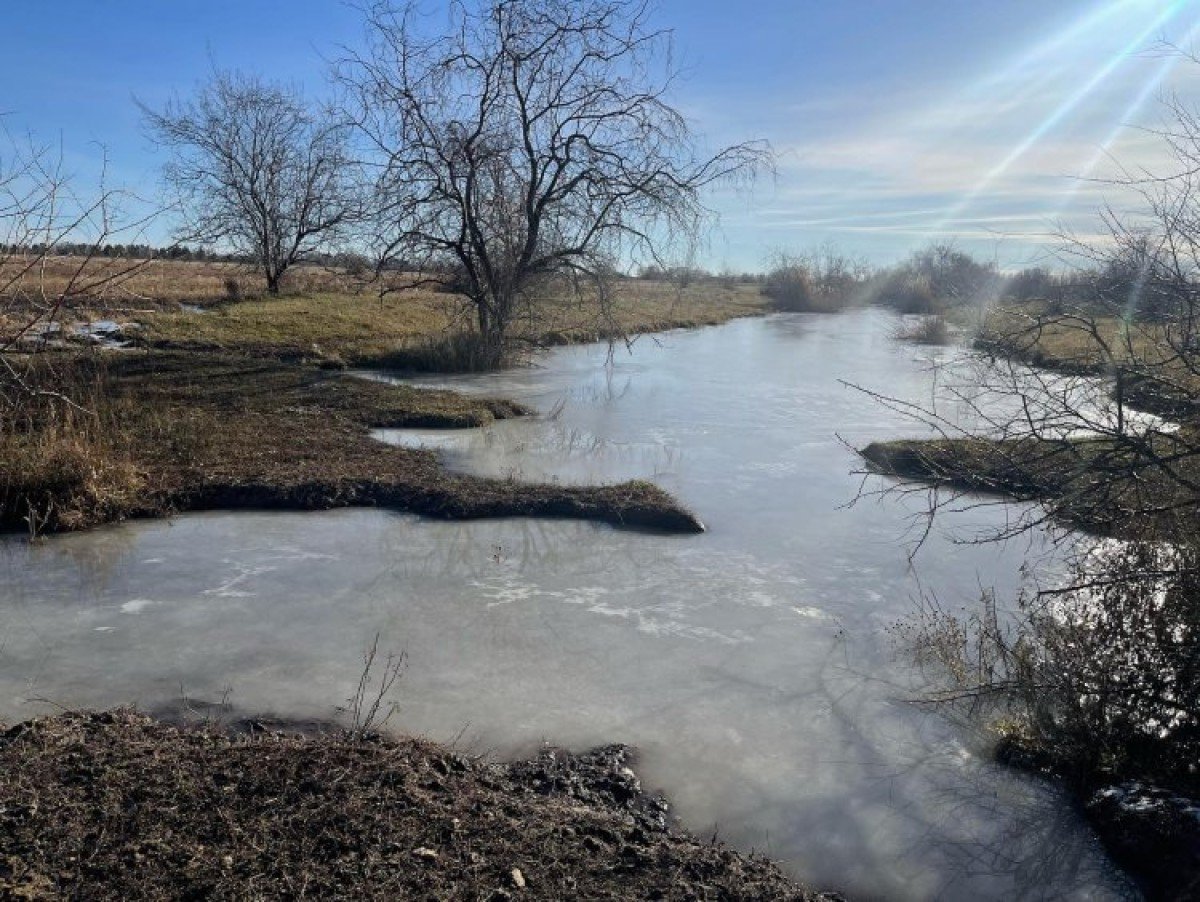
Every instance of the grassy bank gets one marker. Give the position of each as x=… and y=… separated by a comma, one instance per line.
x=147, y=434
x=399, y=331
x=1155, y=374
x=1099, y=485
x=328, y=316
x=1112, y=486
x=117, y=806
x=1061, y=343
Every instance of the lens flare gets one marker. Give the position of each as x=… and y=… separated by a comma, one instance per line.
x=1066, y=107
x=1140, y=99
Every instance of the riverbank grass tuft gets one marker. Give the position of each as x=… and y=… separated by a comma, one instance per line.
x=168, y=432
x=1099, y=485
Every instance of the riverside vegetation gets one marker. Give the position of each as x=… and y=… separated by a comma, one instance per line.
x=242, y=405
x=1095, y=681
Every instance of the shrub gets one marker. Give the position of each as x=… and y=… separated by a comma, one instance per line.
x=930, y=329
x=790, y=287
x=1100, y=681
x=938, y=277
x=456, y=352
x=911, y=295
x=822, y=280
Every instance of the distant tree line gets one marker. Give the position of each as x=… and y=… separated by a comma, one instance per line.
x=122, y=251
x=346, y=260
x=1134, y=273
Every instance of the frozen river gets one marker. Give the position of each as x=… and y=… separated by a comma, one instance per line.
x=752, y=666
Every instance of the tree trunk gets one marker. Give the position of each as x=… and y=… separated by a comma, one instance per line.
x=491, y=336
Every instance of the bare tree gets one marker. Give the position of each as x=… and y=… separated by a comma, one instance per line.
x=41, y=211
x=532, y=140
x=57, y=445
x=255, y=167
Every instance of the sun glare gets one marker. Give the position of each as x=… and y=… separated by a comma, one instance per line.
x=1076, y=41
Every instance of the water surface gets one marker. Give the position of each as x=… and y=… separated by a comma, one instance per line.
x=752, y=666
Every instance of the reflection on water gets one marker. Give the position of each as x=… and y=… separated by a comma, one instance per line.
x=751, y=665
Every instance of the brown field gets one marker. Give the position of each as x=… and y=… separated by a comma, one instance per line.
x=122, y=285
x=329, y=315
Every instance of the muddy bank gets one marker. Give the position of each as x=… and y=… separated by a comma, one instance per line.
x=1151, y=832
x=166, y=433
x=116, y=805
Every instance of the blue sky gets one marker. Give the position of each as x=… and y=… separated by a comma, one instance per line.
x=897, y=122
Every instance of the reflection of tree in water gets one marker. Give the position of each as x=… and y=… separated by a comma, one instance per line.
x=932, y=806
x=459, y=551
x=1042, y=842
x=571, y=443
x=93, y=559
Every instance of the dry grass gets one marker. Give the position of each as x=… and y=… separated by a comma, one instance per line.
x=412, y=329
x=640, y=306
x=159, y=284
x=116, y=806
x=176, y=431
x=67, y=477
x=354, y=329
x=65, y=455
x=327, y=315
x=1156, y=374
x=1066, y=342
